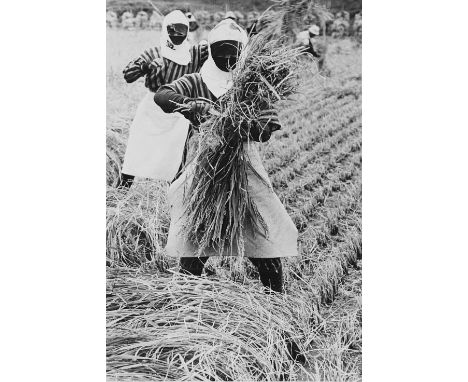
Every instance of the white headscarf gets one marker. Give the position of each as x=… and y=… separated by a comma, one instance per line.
x=217, y=80
x=180, y=54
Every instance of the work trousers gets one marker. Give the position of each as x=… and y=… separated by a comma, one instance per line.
x=125, y=181
x=269, y=269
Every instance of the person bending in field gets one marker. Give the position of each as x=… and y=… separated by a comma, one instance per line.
x=196, y=92
x=309, y=40
x=157, y=140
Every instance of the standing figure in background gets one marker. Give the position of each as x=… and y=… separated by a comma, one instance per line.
x=310, y=40
x=156, y=142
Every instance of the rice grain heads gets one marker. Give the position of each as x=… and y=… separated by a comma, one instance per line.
x=174, y=327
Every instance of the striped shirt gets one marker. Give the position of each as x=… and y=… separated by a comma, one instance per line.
x=192, y=86
x=170, y=71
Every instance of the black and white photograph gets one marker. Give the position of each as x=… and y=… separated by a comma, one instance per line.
x=233, y=233
x=188, y=188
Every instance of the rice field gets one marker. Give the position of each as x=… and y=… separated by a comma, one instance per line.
x=163, y=326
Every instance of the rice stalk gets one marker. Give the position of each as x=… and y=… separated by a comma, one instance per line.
x=137, y=222
x=188, y=328
x=115, y=146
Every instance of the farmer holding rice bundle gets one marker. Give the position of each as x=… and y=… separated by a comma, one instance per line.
x=156, y=142
x=193, y=95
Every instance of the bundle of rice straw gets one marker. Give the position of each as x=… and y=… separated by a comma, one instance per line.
x=137, y=222
x=162, y=327
x=218, y=204
x=115, y=146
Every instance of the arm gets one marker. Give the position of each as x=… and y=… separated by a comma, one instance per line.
x=267, y=123
x=135, y=69
x=178, y=91
x=190, y=108
x=199, y=55
x=203, y=51
x=167, y=99
x=312, y=50
x=180, y=96
x=140, y=66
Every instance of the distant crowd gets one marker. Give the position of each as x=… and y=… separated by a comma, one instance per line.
x=339, y=26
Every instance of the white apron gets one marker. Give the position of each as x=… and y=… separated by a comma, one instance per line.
x=283, y=235
x=156, y=142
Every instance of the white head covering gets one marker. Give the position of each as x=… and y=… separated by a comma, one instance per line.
x=217, y=80
x=314, y=29
x=180, y=54
x=230, y=15
x=190, y=16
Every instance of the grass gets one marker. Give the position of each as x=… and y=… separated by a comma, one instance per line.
x=314, y=164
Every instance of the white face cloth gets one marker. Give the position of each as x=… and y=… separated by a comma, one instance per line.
x=180, y=54
x=218, y=81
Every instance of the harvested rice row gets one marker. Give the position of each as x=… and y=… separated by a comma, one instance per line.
x=338, y=348
x=326, y=223
x=310, y=149
x=322, y=154
x=316, y=205
x=327, y=113
x=321, y=252
x=336, y=222
x=317, y=165
x=114, y=155
x=137, y=225
x=324, y=173
x=316, y=147
x=306, y=196
x=322, y=270
x=133, y=233
x=310, y=136
x=186, y=327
